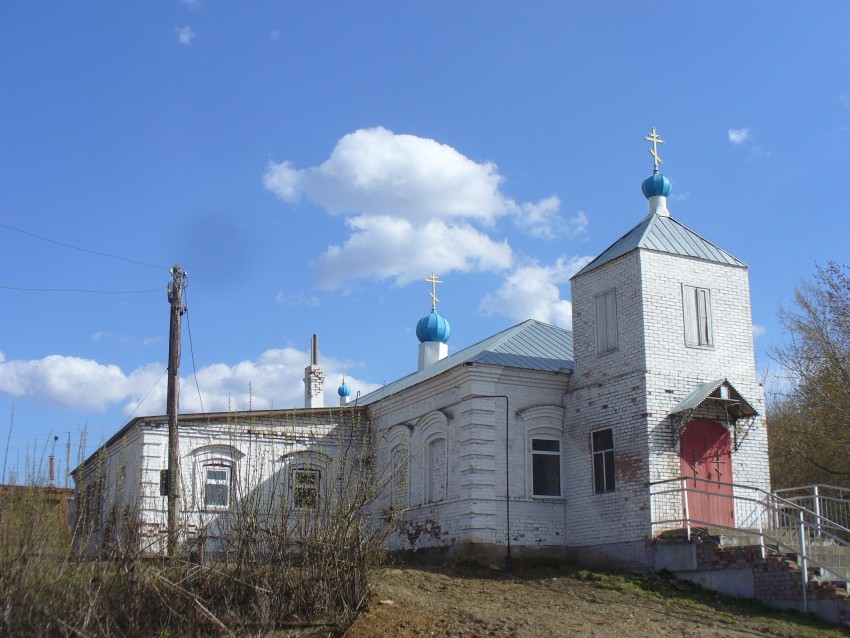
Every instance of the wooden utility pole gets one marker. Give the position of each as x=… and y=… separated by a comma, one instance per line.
x=175, y=297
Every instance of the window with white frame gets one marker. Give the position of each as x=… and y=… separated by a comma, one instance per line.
x=305, y=488
x=606, y=321
x=545, y=467
x=216, y=487
x=603, y=461
x=697, y=308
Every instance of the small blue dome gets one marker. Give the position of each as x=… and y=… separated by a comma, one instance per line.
x=433, y=327
x=343, y=390
x=656, y=184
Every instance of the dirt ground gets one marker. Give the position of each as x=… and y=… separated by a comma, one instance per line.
x=481, y=602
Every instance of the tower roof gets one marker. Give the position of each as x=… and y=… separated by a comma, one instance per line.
x=664, y=234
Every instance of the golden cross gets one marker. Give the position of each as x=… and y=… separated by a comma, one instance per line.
x=433, y=281
x=655, y=138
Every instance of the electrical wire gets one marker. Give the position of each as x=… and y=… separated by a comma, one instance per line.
x=85, y=250
x=94, y=292
x=139, y=404
x=191, y=346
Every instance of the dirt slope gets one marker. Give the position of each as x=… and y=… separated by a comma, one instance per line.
x=473, y=602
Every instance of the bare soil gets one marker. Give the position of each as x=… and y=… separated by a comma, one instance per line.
x=477, y=602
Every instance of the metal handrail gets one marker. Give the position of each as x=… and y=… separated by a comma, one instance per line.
x=758, y=506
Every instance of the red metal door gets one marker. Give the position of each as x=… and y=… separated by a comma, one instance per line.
x=707, y=468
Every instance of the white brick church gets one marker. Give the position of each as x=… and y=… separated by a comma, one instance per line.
x=536, y=442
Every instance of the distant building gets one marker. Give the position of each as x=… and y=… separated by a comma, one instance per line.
x=537, y=441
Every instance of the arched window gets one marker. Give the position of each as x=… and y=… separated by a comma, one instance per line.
x=215, y=470
x=544, y=429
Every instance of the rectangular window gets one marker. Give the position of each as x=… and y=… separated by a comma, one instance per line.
x=697, y=307
x=546, y=467
x=606, y=321
x=305, y=491
x=603, y=461
x=217, y=487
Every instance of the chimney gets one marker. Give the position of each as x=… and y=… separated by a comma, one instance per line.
x=52, y=474
x=314, y=378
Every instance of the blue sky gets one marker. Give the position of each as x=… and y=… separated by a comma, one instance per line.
x=309, y=164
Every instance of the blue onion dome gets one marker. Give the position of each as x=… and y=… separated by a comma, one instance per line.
x=656, y=184
x=433, y=327
x=344, y=390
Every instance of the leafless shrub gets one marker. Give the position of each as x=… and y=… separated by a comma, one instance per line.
x=277, y=558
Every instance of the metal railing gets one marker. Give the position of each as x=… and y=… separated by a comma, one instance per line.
x=757, y=517
x=829, y=502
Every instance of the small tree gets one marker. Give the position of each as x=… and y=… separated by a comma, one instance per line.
x=809, y=420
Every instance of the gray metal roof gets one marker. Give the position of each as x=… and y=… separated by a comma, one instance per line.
x=664, y=234
x=532, y=345
x=704, y=391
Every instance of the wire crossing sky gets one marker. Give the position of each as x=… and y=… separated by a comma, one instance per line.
x=310, y=164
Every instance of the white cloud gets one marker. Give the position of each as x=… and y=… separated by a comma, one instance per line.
x=297, y=299
x=194, y=5
x=389, y=247
x=739, y=136
x=758, y=151
x=378, y=173
x=543, y=220
x=273, y=380
x=71, y=382
x=759, y=331
x=533, y=291
x=185, y=35
x=411, y=205
x=844, y=98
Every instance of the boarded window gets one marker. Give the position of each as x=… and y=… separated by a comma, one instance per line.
x=603, y=461
x=305, y=491
x=697, y=308
x=606, y=321
x=216, y=487
x=436, y=461
x=546, y=467
x=399, y=482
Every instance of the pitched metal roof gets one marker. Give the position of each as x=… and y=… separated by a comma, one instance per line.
x=532, y=345
x=736, y=403
x=664, y=234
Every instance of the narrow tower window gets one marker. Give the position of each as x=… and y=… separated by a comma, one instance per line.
x=606, y=321
x=697, y=307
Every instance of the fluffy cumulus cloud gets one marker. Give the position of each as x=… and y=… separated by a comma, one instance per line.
x=411, y=203
x=274, y=380
x=392, y=247
x=739, y=135
x=72, y=382
x=533, y=291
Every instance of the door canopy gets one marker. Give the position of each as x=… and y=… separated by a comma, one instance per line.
x=740, y=413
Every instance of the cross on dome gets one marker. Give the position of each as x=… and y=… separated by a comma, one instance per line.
x=433, y=294
x=655, y=138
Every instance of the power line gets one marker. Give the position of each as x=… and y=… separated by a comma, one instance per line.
x=192, y=350
x=85, y=250
x=94, y=292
